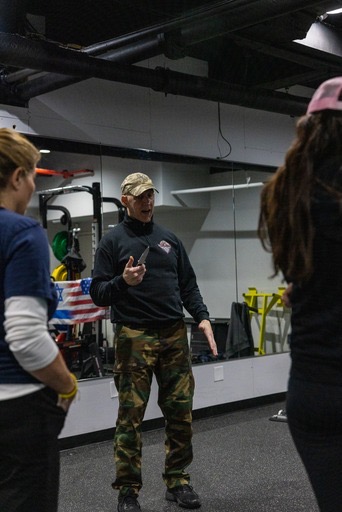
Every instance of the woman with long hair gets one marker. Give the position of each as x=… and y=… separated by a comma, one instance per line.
x=301, y=224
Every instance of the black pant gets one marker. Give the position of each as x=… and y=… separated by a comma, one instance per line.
x=314, y=414
x=29, y=455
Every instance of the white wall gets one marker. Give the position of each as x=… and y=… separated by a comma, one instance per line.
x=125, y=115
x=96, y=410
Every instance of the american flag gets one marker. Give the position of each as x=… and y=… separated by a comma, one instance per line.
x=75, y=305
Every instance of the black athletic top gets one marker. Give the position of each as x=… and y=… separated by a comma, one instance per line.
x=168, y=285
x=316, y=340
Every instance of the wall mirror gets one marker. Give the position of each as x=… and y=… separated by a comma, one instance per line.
x=212, y=205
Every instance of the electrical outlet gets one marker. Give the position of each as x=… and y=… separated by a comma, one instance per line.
x=218, y=373
x=113, y=391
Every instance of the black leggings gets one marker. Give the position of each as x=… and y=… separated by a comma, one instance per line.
x=314, y=413
x=29, y=455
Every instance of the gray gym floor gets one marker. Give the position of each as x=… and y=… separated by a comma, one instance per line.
x=242, y=462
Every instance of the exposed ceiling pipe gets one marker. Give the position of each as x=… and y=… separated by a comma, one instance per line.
x=19, y=75
x=129, y=54
x=202, y=24
x=125, y=47
x=18, y=51
x=193, y=28
x=152, y=46
x=257, y=11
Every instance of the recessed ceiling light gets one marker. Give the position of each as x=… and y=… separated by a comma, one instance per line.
x=44, y=151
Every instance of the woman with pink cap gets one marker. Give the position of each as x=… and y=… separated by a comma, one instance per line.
x=301, y=223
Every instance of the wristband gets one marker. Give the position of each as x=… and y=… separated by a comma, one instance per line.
x=67, y=396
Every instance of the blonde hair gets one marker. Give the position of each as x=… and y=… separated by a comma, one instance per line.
x=15, y=151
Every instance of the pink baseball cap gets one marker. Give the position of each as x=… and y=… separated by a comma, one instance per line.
x=328, y=96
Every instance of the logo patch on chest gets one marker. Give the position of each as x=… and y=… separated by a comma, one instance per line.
x=165, y=246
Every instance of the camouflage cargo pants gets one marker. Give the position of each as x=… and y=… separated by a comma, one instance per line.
x=140, y=353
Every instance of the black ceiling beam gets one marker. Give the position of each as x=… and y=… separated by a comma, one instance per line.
x=100, y=150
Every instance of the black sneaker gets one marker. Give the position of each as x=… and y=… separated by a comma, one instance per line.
x=128, y=503
x=184, y=495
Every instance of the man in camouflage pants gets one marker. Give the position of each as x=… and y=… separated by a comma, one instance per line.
x=147, y=303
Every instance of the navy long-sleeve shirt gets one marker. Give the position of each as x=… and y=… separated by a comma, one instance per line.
x=24, y=271
x=168, y=285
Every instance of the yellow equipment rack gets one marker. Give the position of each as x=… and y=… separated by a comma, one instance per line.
x=261, y=303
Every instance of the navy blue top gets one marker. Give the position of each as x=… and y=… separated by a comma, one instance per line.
x=24, y=271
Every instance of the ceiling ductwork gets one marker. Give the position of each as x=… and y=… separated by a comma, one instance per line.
x=48, y=57
x=113, y=59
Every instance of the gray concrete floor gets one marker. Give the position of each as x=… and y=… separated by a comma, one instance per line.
x=242, y=462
